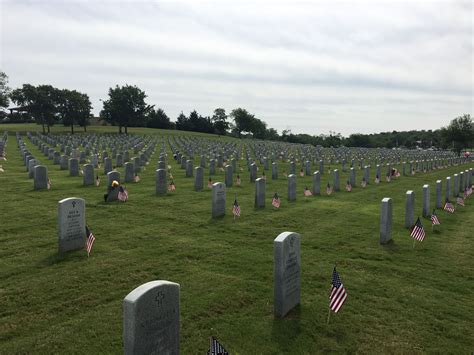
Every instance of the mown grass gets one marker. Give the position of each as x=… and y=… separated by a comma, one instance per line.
x=401, y=300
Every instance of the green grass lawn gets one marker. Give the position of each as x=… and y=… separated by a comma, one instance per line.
x=401, y=300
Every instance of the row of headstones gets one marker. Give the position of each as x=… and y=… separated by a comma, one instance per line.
x=460, y=183
x=65, y=162
x=40, y=172
x=218, y=189
x=3, y=143
x=151, y=316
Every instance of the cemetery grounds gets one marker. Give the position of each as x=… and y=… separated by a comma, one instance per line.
x=400, y=299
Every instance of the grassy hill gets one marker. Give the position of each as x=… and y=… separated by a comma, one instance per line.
x=401, y=300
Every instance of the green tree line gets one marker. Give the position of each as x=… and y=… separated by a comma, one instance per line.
x=126, y=106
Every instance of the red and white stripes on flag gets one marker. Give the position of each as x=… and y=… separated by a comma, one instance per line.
x=434, y=219
x=216, y=348
x=448, y=206
x=418, y=232
x=338, y=292
x=276, y=201
x=236, y=209
x=123, y=194
x=89, y=241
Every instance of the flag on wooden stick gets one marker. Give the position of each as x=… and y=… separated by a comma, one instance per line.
x=434, y=219
x=328, y=189
x=348, y=186
x=90, y=239
x=449, y=207
x=236, y=208
x=276, y=201
x=418, y=232
x=338, y=293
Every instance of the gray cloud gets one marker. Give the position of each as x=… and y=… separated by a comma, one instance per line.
x=313, y=67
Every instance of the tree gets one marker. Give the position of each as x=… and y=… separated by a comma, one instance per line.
x=4, y=91
x=158, y=119
x=460, y=133
x=74, y=107
x=219, y=120
x=40, y=102
x=125, y=107
x=182, y=122
x=243, y=120
x=258, y=128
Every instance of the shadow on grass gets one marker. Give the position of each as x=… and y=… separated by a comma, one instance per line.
x=285, y=330
x=391, y=247
x=59, y=258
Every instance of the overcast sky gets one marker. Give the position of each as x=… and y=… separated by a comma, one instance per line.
x=312, y=67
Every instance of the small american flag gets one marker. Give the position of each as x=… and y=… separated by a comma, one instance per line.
x=460, y=201
x=418, y=232
x=397, y=174
x=97, y=180
x=434, y=218
x=49, y=184
x=90, y=241
x=388, y=178
x=363, y=183
x=328, y=189
x=377, y=179
x=236, y=209
x=276, y=201
x=238, y=181
x=137, y=178
x=209, y=183
x=348, y=186
x=301, y=173
x=216, y=348
x=123, y=194
x=171, y=186
x=338, y=292
x=448, y=206
x=307, y=192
